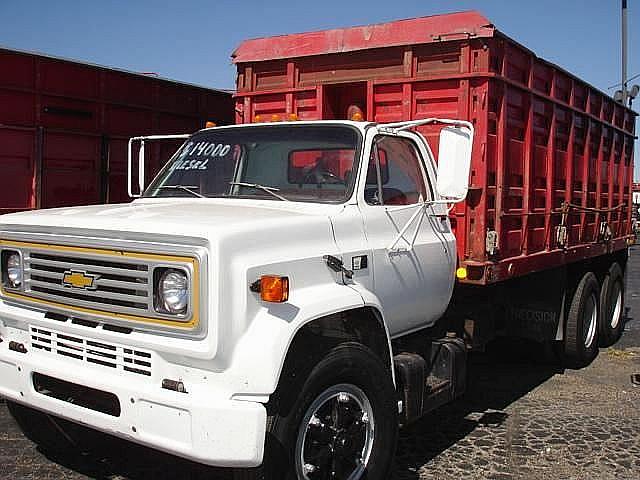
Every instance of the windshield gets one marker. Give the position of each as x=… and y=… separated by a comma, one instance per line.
x=306, y=163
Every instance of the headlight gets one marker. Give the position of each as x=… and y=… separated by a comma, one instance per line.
x=12, y=269
x=172, y=291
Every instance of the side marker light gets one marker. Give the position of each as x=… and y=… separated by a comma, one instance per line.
x=272, y=288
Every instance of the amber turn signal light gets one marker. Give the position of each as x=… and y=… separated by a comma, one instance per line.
x=272, y=288
x=210, y=124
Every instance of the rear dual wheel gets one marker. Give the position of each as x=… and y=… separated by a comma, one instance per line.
x=581, y=327
x=612, y=306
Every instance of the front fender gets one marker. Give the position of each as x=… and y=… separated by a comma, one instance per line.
x=261, y=351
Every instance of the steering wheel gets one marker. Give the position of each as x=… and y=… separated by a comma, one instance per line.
x=321, y=176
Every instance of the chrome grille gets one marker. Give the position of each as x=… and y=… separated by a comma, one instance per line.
x=122, y=284
x=96, y=352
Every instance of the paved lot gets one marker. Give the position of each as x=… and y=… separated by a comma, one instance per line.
x=519, y=420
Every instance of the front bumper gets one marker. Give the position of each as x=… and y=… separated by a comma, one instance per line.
x=199, y=425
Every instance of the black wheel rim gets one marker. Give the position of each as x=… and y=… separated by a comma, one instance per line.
x=336, y=434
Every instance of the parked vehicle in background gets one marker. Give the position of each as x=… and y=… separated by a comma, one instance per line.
x=285, y=294
x=64, y=127
x=635, y=211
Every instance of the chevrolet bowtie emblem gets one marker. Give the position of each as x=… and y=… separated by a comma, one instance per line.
x=79, y=279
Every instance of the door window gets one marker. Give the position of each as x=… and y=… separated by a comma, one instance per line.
x=394, y=175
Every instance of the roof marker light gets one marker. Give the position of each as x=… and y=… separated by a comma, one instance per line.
x=355, y=113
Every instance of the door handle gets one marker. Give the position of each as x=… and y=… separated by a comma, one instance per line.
x=337, y=266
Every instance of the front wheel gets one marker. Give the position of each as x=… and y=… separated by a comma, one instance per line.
x=335, y=438
x=342, y=426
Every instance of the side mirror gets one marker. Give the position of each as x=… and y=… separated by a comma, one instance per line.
x=454, y=163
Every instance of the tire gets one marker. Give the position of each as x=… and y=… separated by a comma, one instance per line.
x=345, y=409
x=611, y=306
x=581, y=328
x=52, y=434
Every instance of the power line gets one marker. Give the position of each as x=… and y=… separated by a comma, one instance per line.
x=620, y=84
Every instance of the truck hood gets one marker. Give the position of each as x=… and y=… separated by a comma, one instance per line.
x=204, y=218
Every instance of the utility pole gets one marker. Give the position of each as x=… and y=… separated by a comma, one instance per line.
x=624, y=52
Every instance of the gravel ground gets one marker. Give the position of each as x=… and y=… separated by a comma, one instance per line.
x=518, y=420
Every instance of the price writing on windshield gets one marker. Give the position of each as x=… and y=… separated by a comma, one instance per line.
x=196, y=156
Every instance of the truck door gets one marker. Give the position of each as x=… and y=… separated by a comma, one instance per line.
x=412, y=245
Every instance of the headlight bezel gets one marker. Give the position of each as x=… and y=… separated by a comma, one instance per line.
x=160, y=301
x=7, y=283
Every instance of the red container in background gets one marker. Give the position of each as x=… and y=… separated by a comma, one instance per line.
x=64, y=127
x=552, y=162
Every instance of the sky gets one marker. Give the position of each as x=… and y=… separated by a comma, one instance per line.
x=192, y=40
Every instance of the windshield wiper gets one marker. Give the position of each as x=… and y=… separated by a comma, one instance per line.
x=185, y=188
x=269, y=190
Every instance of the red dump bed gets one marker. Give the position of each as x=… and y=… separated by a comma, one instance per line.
x=552, y=160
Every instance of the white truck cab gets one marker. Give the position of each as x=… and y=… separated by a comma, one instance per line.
x=243, y=310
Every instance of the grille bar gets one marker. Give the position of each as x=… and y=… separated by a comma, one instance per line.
x=137, y=283
x=70, y=264
x=88, y=302
x=65, y=291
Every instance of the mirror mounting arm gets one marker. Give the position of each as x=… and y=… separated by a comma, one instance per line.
x=400, y=126
x=421, y=208
x=421, y=211
x=449, y=202
x=454, y=159
x=141, y=175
